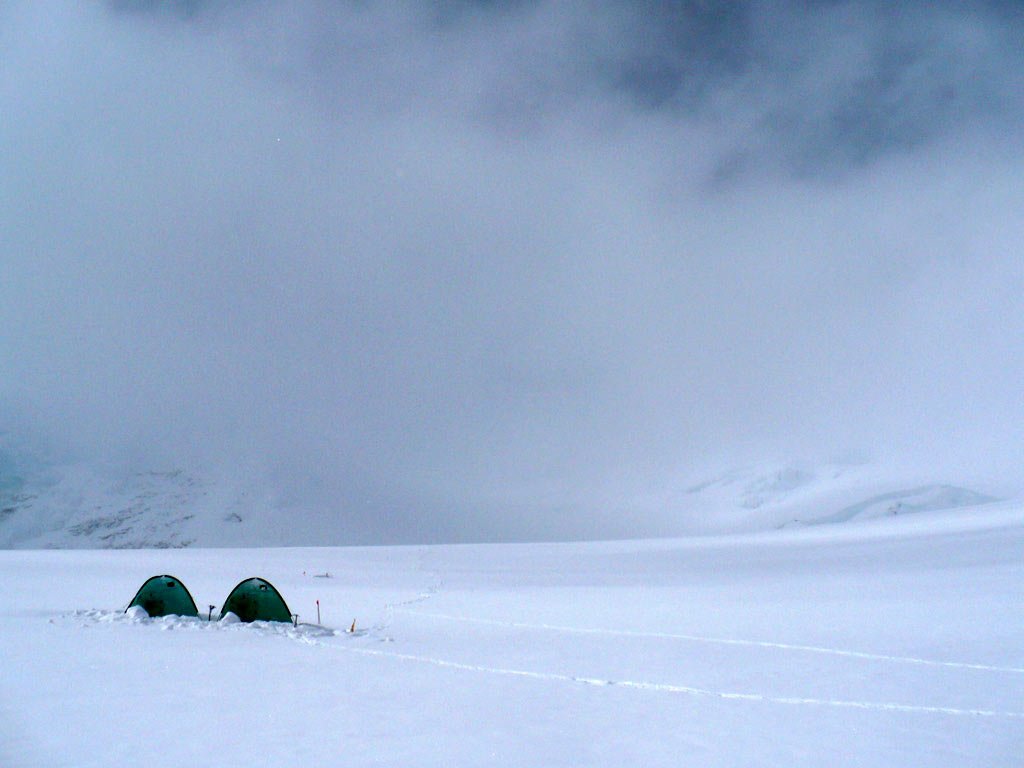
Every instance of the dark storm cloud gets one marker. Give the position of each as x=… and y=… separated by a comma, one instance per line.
x=499, y=269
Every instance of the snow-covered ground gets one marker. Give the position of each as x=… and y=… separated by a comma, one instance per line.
x=896, y=641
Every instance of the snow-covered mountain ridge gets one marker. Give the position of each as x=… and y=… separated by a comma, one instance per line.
x=75, y=506
x=767, y=496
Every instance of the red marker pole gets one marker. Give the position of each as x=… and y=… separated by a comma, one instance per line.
x=317, y=611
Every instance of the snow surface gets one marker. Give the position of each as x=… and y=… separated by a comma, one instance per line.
x=890, y=642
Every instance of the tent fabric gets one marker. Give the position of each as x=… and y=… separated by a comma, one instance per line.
x=164, y=596
x=256, y=599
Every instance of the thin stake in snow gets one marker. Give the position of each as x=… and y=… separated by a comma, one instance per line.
x=209, y=616
x=317, y=611
x=352, y=629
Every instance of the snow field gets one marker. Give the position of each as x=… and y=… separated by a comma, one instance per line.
x=870, y=645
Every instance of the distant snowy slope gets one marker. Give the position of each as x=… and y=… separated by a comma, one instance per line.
x=771, y=496
x=927, y=498
x=77, y=505
x=78, y=508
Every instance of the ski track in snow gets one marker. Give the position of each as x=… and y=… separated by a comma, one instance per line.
x=721, y=641
x=680, y=689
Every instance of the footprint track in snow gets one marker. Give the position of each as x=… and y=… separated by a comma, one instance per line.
x=670, y=688
x=721, y=641
x=403, y=606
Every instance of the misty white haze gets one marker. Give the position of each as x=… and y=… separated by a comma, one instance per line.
x=510, y=270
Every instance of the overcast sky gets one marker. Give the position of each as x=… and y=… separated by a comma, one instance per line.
x=499, y=269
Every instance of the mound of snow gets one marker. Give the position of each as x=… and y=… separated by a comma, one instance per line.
x=137, y=613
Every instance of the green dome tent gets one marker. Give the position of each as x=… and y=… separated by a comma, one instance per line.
x=163, y=596
x=256, y=599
